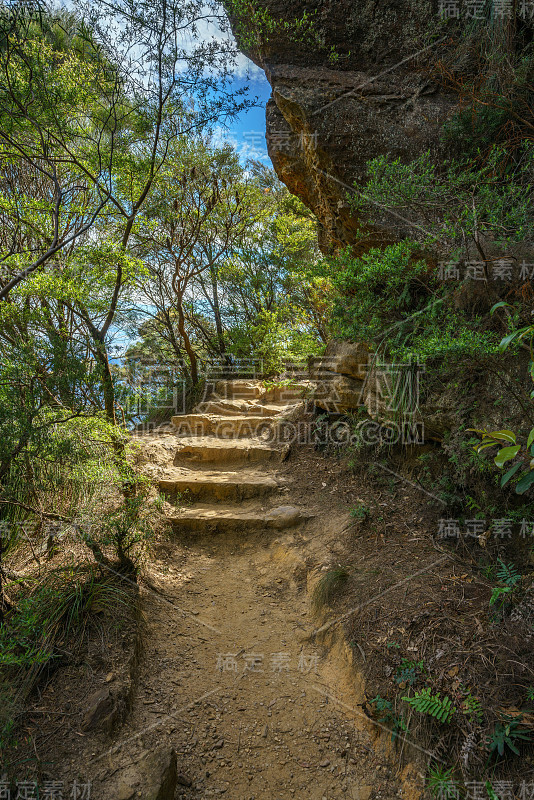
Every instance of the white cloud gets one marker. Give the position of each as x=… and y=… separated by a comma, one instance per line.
x=208, y=30
x=247, y=146
x=245, y=68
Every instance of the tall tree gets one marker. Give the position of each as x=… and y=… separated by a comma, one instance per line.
x=92, y=102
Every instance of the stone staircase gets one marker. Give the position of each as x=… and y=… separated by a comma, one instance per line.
x=221, y=476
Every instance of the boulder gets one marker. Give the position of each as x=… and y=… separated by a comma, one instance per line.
x=343, y=358
x=338, y=394
x=107, y=707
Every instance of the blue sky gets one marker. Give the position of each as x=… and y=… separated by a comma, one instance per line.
x=247, y=132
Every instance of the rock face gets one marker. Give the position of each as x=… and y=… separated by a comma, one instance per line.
x=354, y=86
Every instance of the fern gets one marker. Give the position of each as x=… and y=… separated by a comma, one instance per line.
x=409, y=671
x=498, y=593
x=388, y=717
x=508, y=574
x=435, y=706
x=472, y=708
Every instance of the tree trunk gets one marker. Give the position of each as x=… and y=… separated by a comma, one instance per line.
x=108, y=390
x=187, y=342
x=217, y=312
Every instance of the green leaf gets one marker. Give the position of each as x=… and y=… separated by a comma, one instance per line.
x=530, y=438
x=510, y=338
x=510, y=474
x=526, y=481
x=505, y=436
x=505, y=454
x=500, y=304
x=483, y=445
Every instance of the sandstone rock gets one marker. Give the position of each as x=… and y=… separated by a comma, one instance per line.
x=339, y=393
x=288, y=393
x=159, y=775
x=237, y=390
x=344, y=358
x=107, y=707
x=326, y=119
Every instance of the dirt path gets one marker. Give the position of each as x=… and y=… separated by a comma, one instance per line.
x=229, y=677
x=246, y=705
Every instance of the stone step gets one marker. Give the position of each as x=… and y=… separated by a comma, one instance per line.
x=223, y=427
x=209, y=450
x=239, y=389
x=232, y=408
x=224, y=407
x=220, y=486
x=221, y=519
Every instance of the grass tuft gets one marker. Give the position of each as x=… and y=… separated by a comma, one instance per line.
x=46, y=626
x=328, y=586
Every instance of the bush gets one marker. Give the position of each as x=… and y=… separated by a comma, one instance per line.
x=377, y=289
x=390, y=297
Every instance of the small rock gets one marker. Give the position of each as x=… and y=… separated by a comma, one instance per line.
x=124, y=792
x=155, y=773
x=99, y=711
x=282, y=517
x=325, y=763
